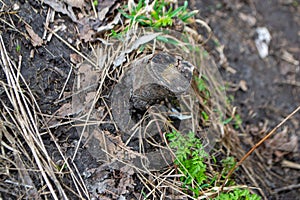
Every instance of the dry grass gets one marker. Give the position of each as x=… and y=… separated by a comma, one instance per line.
x=29, y=171
x=27, y=163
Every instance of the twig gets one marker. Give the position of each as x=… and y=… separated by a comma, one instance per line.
x=290, y=187
x=258, y=144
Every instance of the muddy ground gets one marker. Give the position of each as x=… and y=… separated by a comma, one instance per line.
x=270, y=86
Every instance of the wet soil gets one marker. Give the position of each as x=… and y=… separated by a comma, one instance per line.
x=272, y=92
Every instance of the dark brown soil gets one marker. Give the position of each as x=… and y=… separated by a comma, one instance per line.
x=273, y=84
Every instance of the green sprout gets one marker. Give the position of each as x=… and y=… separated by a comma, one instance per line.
x=162, y=14
x=202, y=86
x=238, y=194
x=18, y=48
x=190, y=157
x=190, y=160
x=205, y=115
x=95, y=3
x=237, y=121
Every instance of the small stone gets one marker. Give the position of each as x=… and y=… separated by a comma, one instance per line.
x=16, y=7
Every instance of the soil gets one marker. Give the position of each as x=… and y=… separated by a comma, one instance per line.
x=271, y=94
x=272, y=84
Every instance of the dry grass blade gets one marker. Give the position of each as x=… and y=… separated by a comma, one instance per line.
x=23, y=118
x=20, y=126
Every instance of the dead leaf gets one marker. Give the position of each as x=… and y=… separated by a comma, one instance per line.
x=98, y=144
x=125, y=183
x=88, y=75
x=90, y=96
x=35, y=39
x=86, y=82
x=243, y=85
x=277, y=140
x=75, y=3
x=102, y=13
x=106, y=8
x=140, y=41
x=75, y=58
x=282, y=142
x=291, y=145
x=88, y=36
x=288, y=57
x=143, y=40
x=110, y=25
x=65, y=110
x=247, y=18
x=61, y=7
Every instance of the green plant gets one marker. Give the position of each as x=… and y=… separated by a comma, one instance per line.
x=228, y=163
x=237, y=121
x=229, y=98
x=204, y=115
x=190, y=158
x=95, y=3
x=159, y=14
x=61, y=167
x=202, y=86
x=18, y=48
x=238, y=194
x=236, y=118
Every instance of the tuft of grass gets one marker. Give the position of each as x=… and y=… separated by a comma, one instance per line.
x=158, y=14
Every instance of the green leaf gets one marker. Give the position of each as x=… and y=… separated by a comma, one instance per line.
x=167, y=40
x=95, y=3
x=140, y=5
x=185, y=5
x=227, y=121
x=125, y=14
x=187, y=16
x=175, y=12
x=205, y=115
x=155, y=15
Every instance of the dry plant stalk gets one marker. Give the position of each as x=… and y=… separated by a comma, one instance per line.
x=258, y=144
x=24, y=140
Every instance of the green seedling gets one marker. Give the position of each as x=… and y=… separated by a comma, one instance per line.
x=62, y=167
x=202, y=86
x=228, y=163
x=161, y=14
x=190, y=161
x=95, y=3
x=205, y=115
x=237, y=121
x=190, y=158
x=167, y=40
x=238, y=194
x=18, y=48
x=216, y=42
